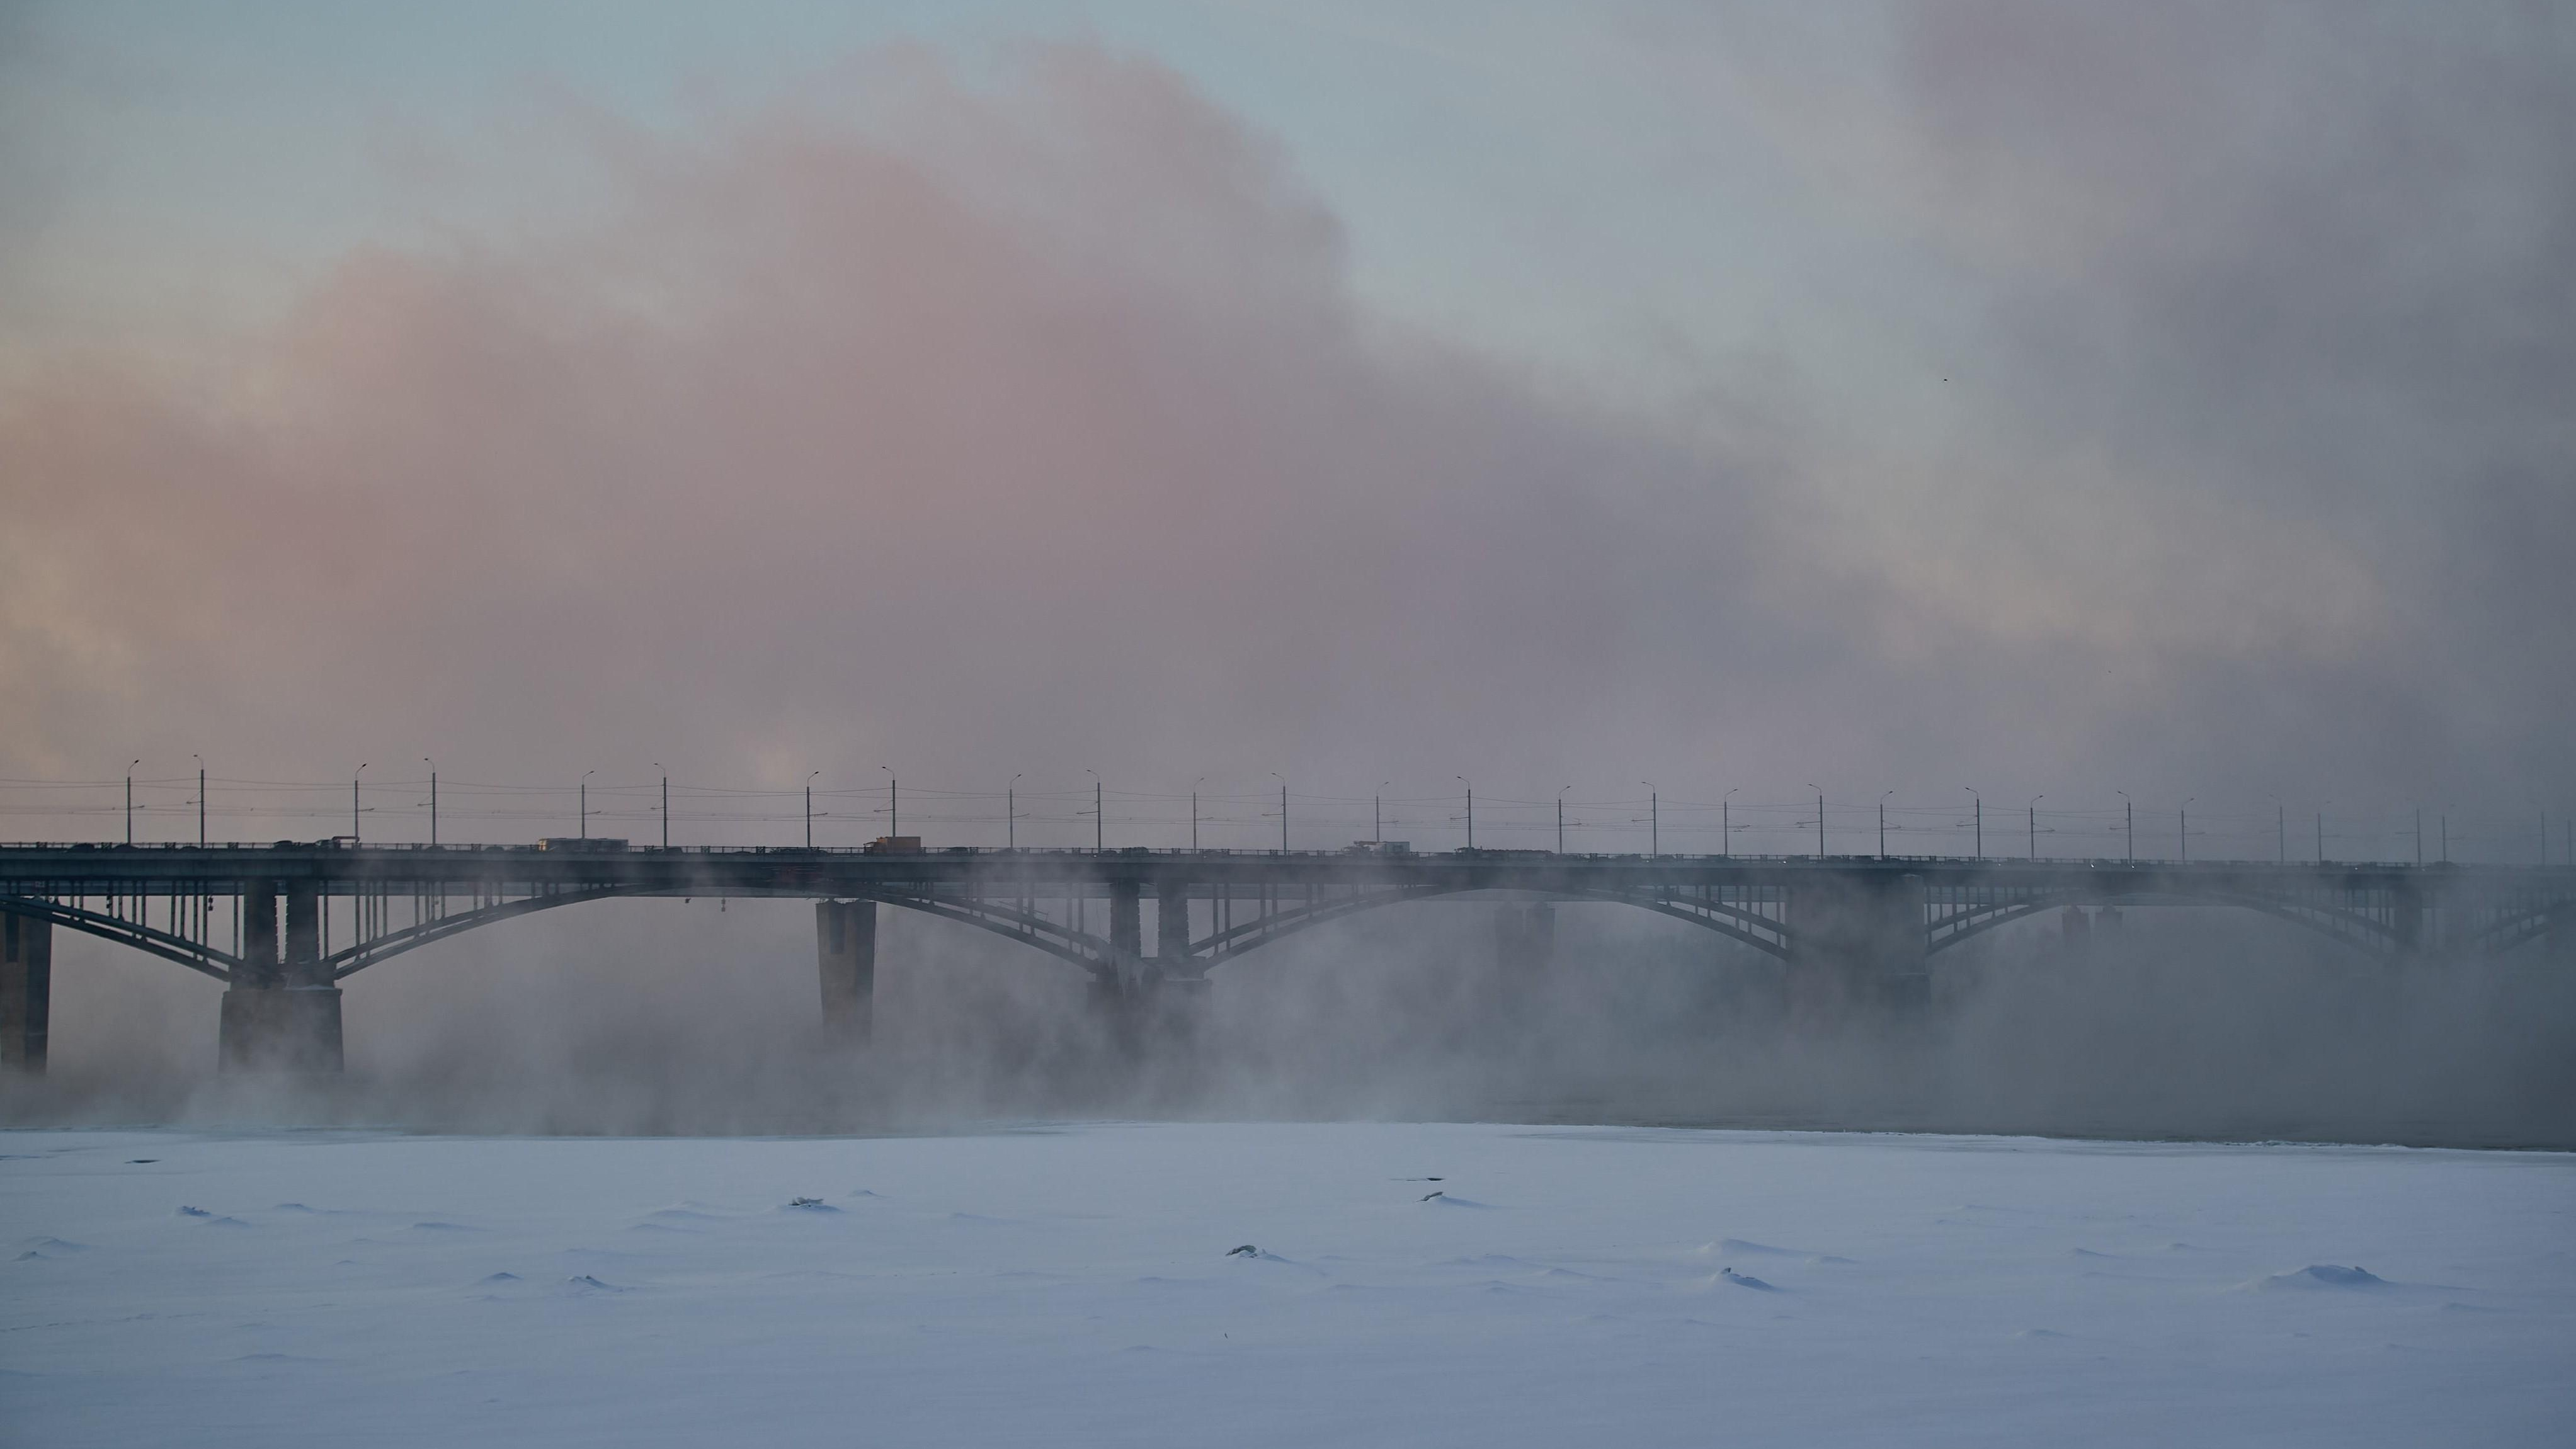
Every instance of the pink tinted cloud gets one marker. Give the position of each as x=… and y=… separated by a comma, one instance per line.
x=1050, y=432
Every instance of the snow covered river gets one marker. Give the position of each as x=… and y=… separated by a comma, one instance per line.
x=1404, y=1284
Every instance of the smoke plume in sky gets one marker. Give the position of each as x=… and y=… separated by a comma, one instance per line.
x=2062, y=400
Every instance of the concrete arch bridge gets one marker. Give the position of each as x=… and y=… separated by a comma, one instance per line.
x=282, y=925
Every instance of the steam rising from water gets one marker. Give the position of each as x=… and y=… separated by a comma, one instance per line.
x=1042, y=427
x=658, y=1017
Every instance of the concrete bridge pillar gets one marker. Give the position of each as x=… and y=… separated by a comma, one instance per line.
x=1141, y=1000
x=26, y=991
x=258, y=934
x=1127, y=920
x=1146, y=1013
x=845, y=953
x=282, y=1016
x=1171, y=925
x=1118, y=993
x=1857, y=945
x=1180, y=992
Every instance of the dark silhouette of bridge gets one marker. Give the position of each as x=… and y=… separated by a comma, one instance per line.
x=283, y=925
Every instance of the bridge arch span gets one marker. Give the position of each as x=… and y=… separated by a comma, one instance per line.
x=1765, y=934
x=1094, y=955
x=204, y=961
x=1074, y=947
x=2344, y=927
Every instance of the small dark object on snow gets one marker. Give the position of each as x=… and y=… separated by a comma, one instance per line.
x=139, y=1161
x=1428, y=1196
x=804, y=1202
x=1246, y=1251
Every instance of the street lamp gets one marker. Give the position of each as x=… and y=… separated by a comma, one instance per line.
x=353, y=801
x=584, y=802
x=2033, y=808
x=809, y=807
x=433, y=798
x=894, y=803
x=1471, y=810
x=665, y=772
x=1283, y=810
x=129, y=801
x=1099, y=833
x=201, y=812
x=2129, y=823
x=2321, y=830
x=1981, y=819
x=1882, y=822
x=1725, y=826
x=1654, y=821
x=1011, y=815
x=1820, y=818
x=1377, y=820
x=2182, y=830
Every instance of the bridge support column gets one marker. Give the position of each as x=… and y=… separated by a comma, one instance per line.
x=1145, y=1012
x=258, y=934
x=26, y=991
x=845, y=952
x=282, y=1016
x=1859, y=945
x=1122, y=998
x=1180, y=995
x=1127, y=919
x=1171, y=924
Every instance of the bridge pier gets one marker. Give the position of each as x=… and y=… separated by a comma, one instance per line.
x=1127, y=919
x=1142, y=1000
x=282, y=1016
x=1858, y=946
x=1118, y=994
x=845, y=953
x=1171, y=925
x=26, y=991
x=1180, y=985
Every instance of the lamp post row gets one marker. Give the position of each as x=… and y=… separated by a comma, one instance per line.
x=1377, y=818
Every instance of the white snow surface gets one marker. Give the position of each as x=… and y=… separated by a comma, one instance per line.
x=1078, y=1285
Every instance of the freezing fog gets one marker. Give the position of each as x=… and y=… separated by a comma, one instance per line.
x=2073, y=417
x=661, y=1017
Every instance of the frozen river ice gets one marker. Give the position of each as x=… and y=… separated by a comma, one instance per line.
x=1074, y=1284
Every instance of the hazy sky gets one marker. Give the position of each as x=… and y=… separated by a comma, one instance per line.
x=2046, y=398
